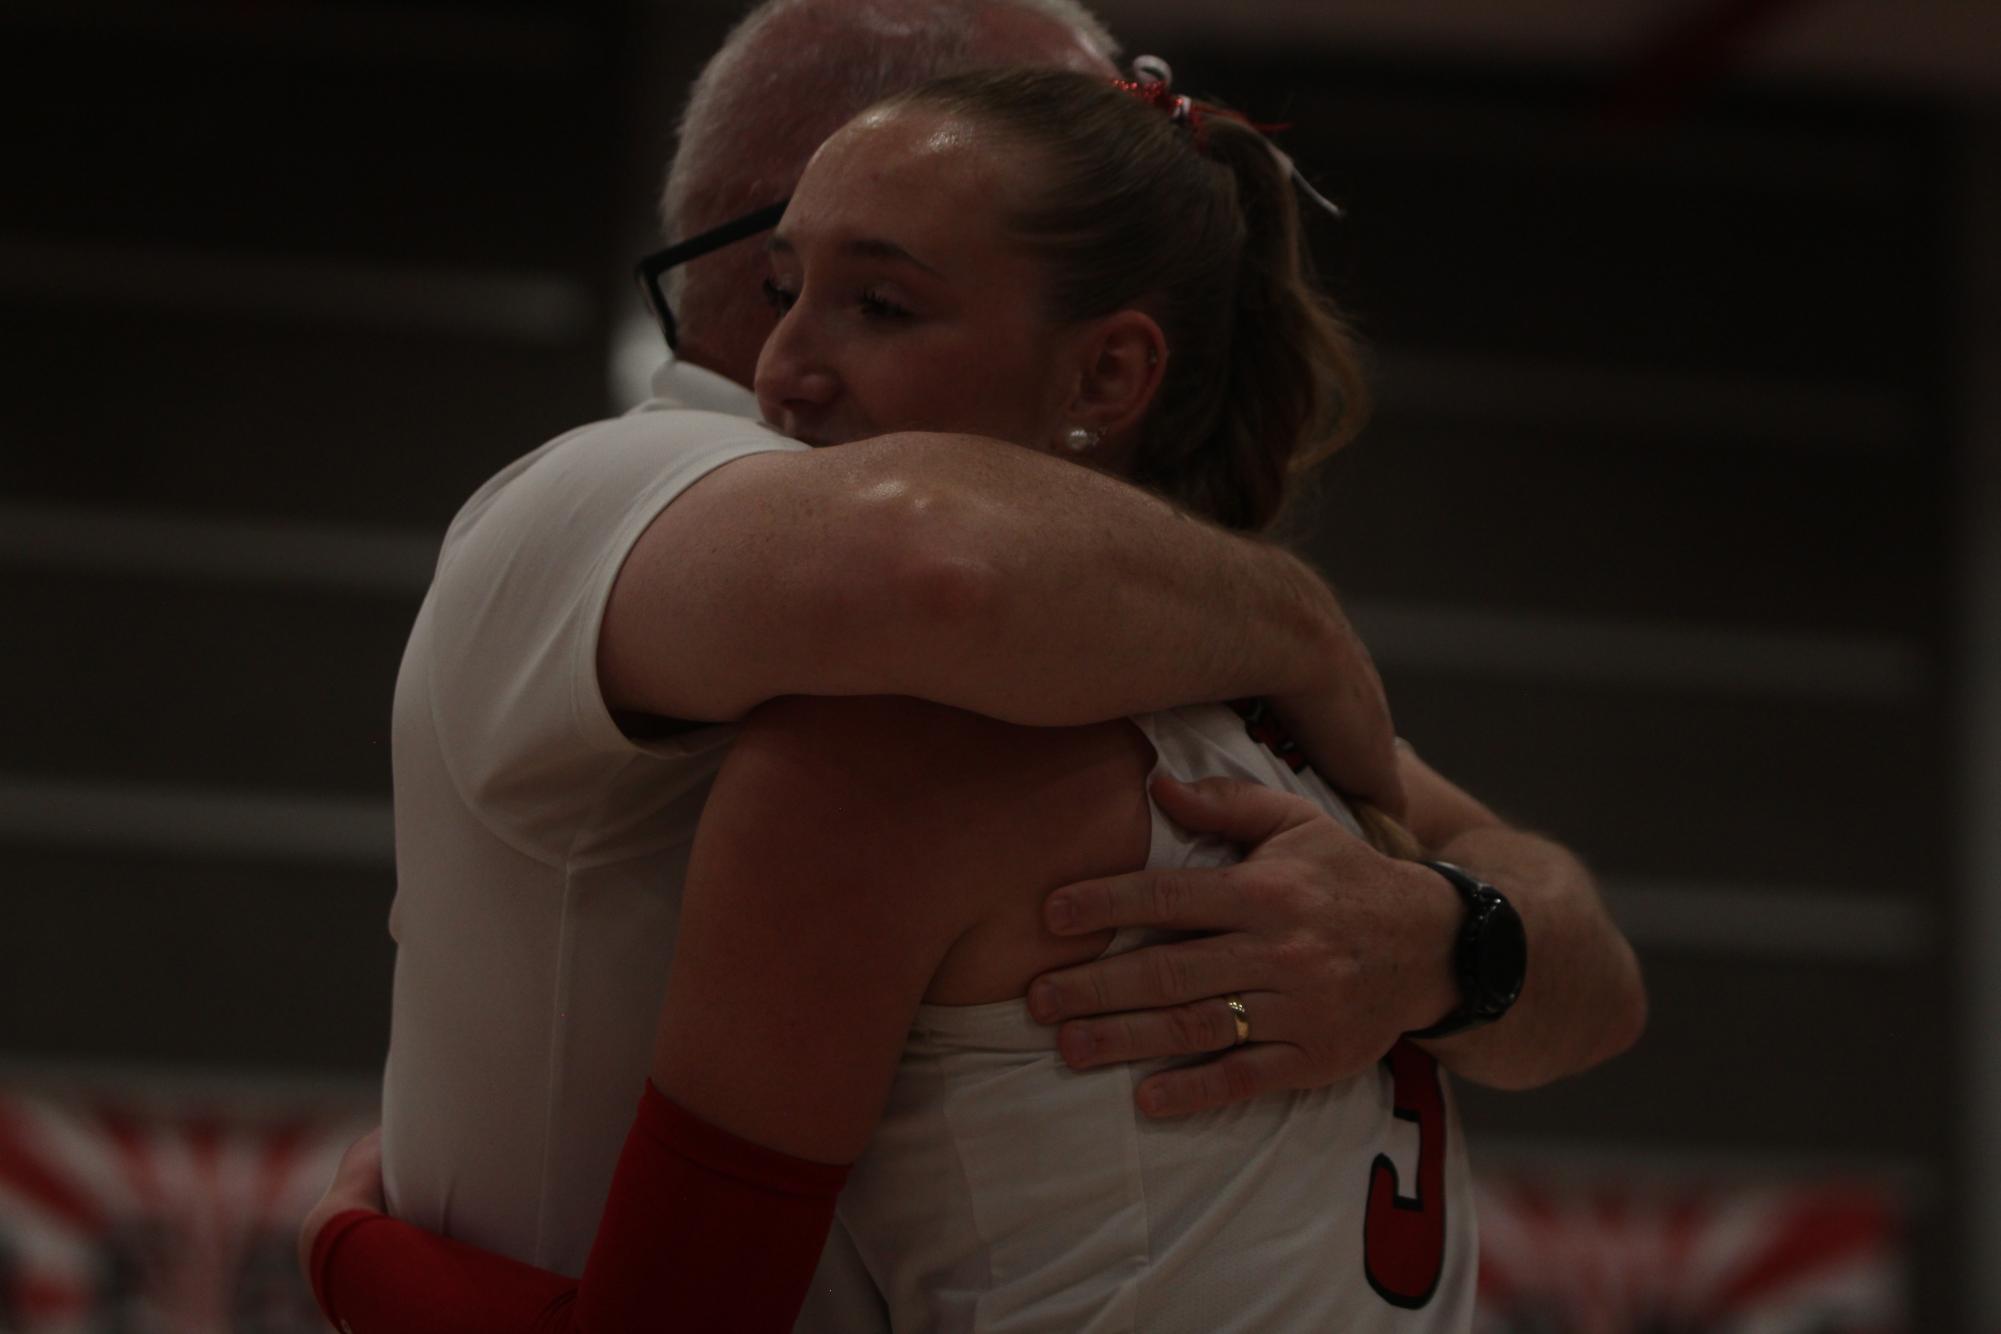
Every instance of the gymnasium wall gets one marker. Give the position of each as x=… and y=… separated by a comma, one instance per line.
x=1673, y=534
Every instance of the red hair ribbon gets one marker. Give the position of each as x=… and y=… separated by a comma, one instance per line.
x=1180, y=109
x=1153, y=83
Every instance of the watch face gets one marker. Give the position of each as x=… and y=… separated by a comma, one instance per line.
x=1504, y=952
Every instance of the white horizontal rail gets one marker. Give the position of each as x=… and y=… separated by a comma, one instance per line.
x=1558, y=1158
x=1697, y=411
x=1693, y=659
x=1754, y=920
x=1803, y=922
x=293, y=554
x=540, y=309
x=249, y=1092
x=191, y=822
x=377, y=36
x=1428, y=636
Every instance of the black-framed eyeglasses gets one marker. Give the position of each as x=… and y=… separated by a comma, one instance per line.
x=653, y=269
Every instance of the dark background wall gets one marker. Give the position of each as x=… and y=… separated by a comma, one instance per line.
x=1672, y=532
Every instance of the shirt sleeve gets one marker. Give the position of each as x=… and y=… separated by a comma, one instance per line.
x=507, y=638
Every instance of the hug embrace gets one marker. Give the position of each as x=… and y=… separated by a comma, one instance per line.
x=1018, y=980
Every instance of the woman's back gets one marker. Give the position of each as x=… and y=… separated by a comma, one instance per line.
x=1004, y=1192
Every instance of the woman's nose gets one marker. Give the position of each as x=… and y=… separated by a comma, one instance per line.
x=792, y=374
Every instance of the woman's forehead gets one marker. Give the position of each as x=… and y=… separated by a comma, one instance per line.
x=921, y=167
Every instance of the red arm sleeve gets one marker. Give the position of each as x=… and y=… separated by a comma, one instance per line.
x=702, y=1231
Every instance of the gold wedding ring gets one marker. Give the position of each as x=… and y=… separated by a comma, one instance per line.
x=1240, y=1015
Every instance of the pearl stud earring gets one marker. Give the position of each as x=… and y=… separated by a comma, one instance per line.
x=1082, y=439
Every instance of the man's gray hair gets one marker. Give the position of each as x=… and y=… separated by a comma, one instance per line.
x=765, y=100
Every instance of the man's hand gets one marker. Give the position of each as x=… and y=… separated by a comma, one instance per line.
x=357, y=1184
x=1335, y=949
x=1343, y=727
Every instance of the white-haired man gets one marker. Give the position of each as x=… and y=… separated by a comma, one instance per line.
x=606, y=598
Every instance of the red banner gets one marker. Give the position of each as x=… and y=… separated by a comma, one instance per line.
x=1630, y=1256
x=160, y=1215
x=146, y=1214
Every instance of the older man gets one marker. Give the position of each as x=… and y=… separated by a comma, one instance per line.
x=604, y=601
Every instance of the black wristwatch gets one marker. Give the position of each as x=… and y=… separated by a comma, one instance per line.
x=1491, y=959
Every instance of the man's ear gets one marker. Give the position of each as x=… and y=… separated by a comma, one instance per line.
x=1120, y=362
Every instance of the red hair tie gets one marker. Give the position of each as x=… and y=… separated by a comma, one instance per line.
x=1179, y=109
x=1153, y=84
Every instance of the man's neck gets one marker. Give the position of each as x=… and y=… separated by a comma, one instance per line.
x=682, y=382
x=698, y=353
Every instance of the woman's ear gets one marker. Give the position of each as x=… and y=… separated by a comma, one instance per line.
x=1120, y=363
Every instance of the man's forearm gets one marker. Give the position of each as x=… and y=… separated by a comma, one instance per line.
x=1084, y=598
x=982, y=576
x=1583, y=1001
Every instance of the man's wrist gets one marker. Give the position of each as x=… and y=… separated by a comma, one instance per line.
x=1490, y=956
x=1438, y=912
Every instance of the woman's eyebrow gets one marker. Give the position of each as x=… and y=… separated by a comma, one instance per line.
x=861, y=247
x=867, y=247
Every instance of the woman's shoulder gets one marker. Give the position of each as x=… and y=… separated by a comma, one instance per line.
x=964, y=823
x=900, y=740
x=1242, y=741
x=988, y=803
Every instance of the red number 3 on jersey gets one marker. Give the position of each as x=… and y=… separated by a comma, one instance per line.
x=1403, y=1237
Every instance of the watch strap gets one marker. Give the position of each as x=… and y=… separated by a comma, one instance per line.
x=1477, y=1004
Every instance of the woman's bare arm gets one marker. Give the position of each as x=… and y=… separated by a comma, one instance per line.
x=828, y=880
x=846, y=846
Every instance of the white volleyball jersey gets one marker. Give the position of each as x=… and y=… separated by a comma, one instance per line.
x=1004, y=1192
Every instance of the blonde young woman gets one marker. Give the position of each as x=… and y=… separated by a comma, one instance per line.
x=1112, y=276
